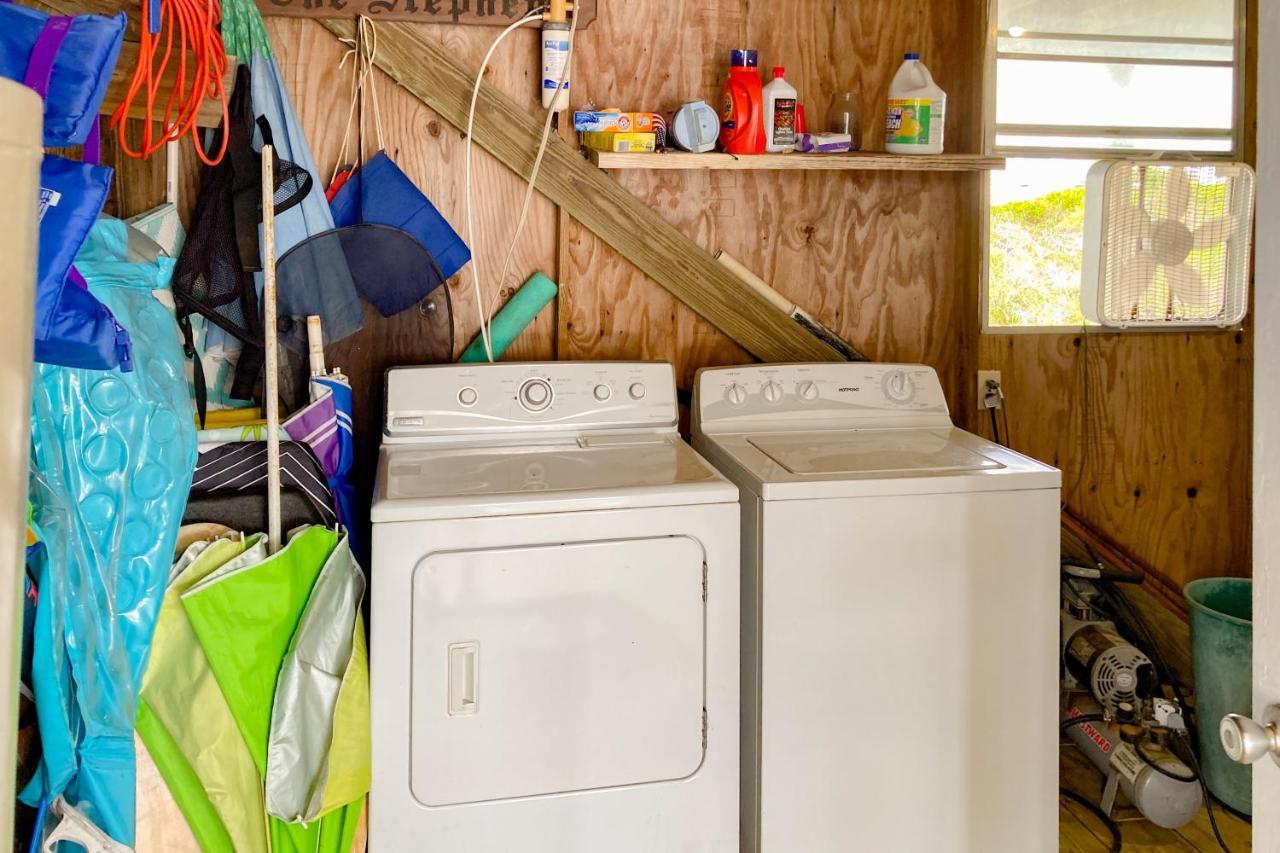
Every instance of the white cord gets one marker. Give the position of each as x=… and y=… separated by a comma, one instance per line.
x=485, y=309
x=533, y=176
x=363, y=51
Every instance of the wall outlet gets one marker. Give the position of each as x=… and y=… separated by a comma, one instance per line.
x=985, y=376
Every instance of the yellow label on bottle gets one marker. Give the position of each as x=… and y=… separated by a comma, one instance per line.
x=908, y=121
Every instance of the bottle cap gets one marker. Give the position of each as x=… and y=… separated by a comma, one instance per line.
x=744, y=59
x=911, y=56
x=779, y=71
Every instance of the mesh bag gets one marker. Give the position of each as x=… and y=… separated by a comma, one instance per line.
x=214, y=277
x=390, y=269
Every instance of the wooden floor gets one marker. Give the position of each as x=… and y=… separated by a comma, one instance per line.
x=1080, y=832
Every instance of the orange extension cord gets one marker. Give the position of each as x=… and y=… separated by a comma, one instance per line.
x=196, y=24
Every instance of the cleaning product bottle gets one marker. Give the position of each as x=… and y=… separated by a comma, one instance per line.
x=917, y=111
x=742, y=128
x=780, y=116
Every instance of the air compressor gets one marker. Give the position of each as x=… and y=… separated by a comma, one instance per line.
x=1115, y=714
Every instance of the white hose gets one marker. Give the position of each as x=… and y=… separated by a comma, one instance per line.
x=485, y=308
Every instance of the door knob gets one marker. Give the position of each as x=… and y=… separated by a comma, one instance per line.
x=1246, y=741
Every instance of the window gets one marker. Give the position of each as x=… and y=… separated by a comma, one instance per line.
x=1081, y=80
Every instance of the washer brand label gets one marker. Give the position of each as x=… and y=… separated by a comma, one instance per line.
x=849, y=389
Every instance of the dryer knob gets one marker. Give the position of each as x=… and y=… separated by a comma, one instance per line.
x=735, y=394
x=637, y=391
x=772, y=392
x=808, y=390
x=602, y=393
x=535, y=394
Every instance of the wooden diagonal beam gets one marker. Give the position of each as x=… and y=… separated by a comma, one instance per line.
x=506, y=130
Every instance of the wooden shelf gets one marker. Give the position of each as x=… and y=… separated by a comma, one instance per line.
x=858, y=161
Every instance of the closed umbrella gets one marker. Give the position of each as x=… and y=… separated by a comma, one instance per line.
x=246, y=620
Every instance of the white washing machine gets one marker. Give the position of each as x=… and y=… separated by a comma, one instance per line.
x=899, y=615
x=555, y=588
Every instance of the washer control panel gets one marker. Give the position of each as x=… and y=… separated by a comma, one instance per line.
x=474, y=399
x=844, y=394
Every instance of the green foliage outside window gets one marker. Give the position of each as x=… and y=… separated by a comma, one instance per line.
x=1037, y=250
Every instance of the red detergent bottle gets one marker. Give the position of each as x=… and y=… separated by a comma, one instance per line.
x=742, y=126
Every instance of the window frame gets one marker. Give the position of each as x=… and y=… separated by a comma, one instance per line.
x=992, y=54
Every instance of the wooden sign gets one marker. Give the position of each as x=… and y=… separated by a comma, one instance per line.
x=484, y=12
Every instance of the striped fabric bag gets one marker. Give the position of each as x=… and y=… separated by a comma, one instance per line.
x=242, y=466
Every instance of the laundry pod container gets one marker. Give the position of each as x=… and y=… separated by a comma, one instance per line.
x=1222, y=660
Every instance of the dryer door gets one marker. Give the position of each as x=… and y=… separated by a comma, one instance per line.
x=554, y=669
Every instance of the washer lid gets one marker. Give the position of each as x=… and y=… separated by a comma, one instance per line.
x=605, y=472
x=855, y=463
x=871, y=452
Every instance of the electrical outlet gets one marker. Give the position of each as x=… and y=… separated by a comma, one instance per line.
x=985, y=376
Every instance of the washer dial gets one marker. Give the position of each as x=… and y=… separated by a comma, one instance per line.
x=772, y=392
x=808, y=390
x=899, y=387
x=535, y=395
x=735, y=394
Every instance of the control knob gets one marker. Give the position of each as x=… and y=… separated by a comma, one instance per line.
x=735, y=394
x=899, y=387
x=808, y=390
x=535, y=394
x=772, y=392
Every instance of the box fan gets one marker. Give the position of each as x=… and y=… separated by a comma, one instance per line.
x=1166, y=244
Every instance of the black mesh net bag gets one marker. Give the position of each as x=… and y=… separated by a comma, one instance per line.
x=214, y=275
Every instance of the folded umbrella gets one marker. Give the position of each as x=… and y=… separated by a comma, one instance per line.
x=246, y=619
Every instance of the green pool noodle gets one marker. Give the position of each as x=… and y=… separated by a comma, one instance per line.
x=514, y=317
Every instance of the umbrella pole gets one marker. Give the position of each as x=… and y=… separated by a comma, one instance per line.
x=271, y=345
x=315, y=341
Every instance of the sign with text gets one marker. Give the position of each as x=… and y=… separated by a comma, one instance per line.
x=484, y=12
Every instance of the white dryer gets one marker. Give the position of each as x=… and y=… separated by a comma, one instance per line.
x=900, y=615
x=554, y=617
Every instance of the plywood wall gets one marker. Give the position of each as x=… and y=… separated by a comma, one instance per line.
x=1158, y=463
x=889, y=260
x=1152, y=434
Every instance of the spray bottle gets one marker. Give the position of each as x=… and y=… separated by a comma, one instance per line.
x=555, y=56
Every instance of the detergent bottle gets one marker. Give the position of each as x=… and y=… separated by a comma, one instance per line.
x=742, y=129
x=781, y=113
x=917, y=112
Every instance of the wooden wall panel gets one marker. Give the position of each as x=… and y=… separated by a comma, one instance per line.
x=1160, y=463
x=887, y=260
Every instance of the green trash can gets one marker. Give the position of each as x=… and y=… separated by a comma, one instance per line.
x=1222, y=660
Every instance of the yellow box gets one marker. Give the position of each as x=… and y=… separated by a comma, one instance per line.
x=622, y=143
x=613, y=121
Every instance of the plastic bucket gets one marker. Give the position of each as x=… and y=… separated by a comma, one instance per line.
x=1222, y=660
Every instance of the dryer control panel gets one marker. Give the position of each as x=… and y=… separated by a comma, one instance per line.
x=840, y=395
x=470, y=400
